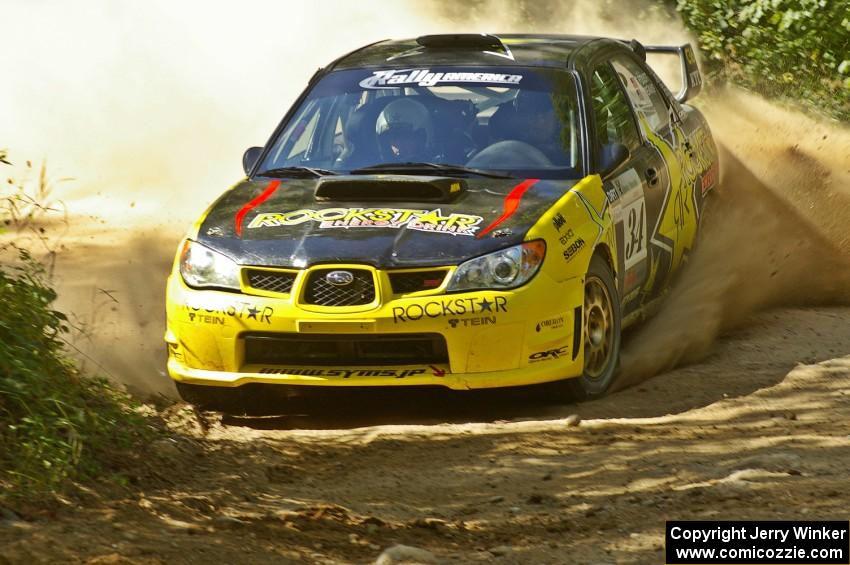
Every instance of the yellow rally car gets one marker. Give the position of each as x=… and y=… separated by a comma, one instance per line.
x=467, y=211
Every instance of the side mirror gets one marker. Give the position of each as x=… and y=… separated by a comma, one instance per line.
x=249, y=159
x=611, y=157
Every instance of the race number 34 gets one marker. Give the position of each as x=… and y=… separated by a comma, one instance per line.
x=634, y=232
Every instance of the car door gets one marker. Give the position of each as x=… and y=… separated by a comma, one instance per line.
x=660, y=126
x=635, y=190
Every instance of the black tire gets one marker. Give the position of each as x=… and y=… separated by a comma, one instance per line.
x=600, y=333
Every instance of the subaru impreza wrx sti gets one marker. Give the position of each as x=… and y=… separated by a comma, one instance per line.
x=465, y=211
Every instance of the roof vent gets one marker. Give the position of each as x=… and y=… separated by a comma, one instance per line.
x=460, y=40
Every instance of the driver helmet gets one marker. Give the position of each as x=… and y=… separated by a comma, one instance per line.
x=403, y=129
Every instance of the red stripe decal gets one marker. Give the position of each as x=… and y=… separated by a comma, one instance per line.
x=240, y=215
x=511, y=204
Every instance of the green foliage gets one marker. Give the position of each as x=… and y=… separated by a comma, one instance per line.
x=54, y=424
x=798, y=50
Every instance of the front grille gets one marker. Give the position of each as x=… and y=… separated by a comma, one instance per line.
x=271, y=281
x=345, y=349
x=361, y=290
x=416, y=281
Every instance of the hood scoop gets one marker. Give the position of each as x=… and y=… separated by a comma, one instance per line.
x=389, y=188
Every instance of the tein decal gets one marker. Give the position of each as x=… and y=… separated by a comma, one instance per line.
x=394, y=218
x=424, y=77
x=467, y=322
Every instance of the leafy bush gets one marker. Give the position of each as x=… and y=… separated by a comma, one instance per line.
x=798, y=50
x=54, y=424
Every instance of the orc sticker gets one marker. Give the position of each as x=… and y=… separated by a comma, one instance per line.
x=393, y=218
x=393, y=78
x=548, y=355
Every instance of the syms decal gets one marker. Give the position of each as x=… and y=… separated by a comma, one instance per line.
x=393, y=218
x=347, y=373
x=449, y=307
x=393, y=78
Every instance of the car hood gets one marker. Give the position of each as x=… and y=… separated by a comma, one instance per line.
x=282, y=223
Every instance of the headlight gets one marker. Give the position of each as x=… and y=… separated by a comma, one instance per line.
x=508, y=268
x=202, y=267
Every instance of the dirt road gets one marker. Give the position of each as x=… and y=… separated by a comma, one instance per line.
x=750, y=432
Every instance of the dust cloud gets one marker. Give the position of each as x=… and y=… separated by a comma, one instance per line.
x=150, y=105
x=774, y=233
x=154, y=102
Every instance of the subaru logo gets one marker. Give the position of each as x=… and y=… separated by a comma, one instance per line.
x=339, y=278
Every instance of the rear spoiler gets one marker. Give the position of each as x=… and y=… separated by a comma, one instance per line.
x=691, y=78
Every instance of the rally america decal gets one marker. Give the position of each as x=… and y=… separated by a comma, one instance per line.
x=394, y=218
x=393, y=78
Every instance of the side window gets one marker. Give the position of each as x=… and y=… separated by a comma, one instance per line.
x=646, y=99
x=614, y=119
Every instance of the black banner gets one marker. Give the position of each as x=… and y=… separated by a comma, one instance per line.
x=762, y=543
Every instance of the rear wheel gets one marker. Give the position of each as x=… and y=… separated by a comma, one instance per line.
x=600, y=332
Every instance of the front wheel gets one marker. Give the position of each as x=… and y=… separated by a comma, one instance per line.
x=600, y=332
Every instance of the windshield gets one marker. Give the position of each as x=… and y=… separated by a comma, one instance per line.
x=514, y=120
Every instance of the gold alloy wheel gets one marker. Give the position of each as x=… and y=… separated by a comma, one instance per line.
x=598, y=327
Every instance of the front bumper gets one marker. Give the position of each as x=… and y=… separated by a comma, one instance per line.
x=493, y=338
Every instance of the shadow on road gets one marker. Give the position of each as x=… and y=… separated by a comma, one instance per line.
x=332, y=408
